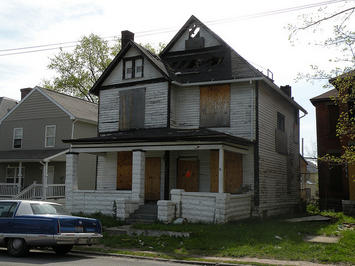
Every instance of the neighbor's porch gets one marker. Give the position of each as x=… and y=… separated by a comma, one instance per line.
x=32, y=174
x=200, y=182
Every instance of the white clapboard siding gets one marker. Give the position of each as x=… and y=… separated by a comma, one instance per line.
x=156, y=106
x=185, y=109
x=275, y=195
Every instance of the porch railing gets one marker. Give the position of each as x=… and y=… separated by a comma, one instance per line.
x=8, y=190
x=56, y=191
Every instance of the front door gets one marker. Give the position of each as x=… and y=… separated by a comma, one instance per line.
x=187, y=178
x=152, y=178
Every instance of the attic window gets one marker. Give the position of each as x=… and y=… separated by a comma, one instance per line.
x=133, y=67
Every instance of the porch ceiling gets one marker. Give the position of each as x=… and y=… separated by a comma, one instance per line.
x=29, y=155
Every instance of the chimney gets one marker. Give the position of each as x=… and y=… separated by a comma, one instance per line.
x=126, y=36
x=24, y=92
x=286, y=89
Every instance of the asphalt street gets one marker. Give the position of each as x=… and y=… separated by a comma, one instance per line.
x=50, y=258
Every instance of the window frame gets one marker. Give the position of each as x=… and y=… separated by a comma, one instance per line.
x=281, y=122
x=46, y=136
x=13, y=138
x=133, y=59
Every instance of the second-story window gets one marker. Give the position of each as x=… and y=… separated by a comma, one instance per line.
x=132, y=109
x=50, y=136
x=18, y=136
x=215, y=106
x=133, y=67
x=280, y=135
x=280, y=122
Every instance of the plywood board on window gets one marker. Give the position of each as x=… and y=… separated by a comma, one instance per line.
x=233, y=171
x=215, y=106
x=124, y=170
x=152, y=178
x=188, y=174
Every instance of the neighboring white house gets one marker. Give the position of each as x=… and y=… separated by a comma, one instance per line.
x=196, y=129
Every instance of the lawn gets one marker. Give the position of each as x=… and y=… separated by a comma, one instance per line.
x=271, y=238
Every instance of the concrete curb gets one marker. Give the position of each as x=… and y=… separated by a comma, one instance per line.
x=155, y=259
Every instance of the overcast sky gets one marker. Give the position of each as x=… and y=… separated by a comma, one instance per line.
x=262, y=39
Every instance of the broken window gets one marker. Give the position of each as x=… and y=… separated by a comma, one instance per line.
x=132, y=106
x=133, y=67
x=215, y=106
x=194, y=41
x=280, y=135
x=280, y=121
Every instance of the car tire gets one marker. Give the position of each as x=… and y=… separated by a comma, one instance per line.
x=17, y=247
x=62, y=249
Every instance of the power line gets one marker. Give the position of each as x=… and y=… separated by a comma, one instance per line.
x=170, y=29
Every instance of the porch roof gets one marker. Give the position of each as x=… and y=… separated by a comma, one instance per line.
x=29, y=155
x=161, y=135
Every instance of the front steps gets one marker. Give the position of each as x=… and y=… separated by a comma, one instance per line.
x=147, y=213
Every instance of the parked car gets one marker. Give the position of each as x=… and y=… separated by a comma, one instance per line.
x=26, y=224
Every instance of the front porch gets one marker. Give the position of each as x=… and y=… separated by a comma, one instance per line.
x=200, y=181
x=32, y=174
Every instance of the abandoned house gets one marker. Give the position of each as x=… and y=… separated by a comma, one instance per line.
x=196, y=132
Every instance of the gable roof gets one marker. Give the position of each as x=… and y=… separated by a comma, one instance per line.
x=74, y=107
x=79, y=108
x=153, y=59
x=6, y=104
x=325, y=96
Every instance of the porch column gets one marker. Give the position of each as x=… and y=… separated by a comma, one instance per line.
x=138, y=174
x=71, y=179
x=44, y=180
x=221, y=171
x=19, y=177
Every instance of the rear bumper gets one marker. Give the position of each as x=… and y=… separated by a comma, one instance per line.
x=77, y=238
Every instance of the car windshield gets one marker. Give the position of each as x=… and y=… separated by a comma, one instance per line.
x=47, y=208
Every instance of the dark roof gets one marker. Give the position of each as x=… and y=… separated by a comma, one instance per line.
x=79, y=108
x=325, y=96
x=161, y=135
x=27, y=155
x=6, y=104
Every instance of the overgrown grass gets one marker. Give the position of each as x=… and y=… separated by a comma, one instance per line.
x=273, y=238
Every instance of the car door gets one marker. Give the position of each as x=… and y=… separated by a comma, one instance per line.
x=7, y=212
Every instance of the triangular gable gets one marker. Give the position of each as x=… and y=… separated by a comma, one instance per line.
x=25, y=99
x=114, y=66
x=177, y=43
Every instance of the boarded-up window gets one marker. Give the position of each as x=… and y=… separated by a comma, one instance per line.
x=124, y=170
x=233, y=171
x=215, y=106
x=132, y=106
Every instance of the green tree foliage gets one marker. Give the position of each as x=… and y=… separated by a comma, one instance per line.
x=78, y=70
x=342, y=73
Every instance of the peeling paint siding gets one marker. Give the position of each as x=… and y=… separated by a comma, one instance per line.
x=156, y=106
x=242, y=111
x=149, y=71
x=186, y=107
x=180, y=44
x=107, y=171
x=274, y=194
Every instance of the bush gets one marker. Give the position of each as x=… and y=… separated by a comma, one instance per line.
x=313, y=207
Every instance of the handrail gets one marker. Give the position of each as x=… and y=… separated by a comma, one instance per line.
x=55, y=190
x=8, y=189
x=31, y=192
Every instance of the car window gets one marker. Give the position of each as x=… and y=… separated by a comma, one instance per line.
x=7, y=209
x=47, y=208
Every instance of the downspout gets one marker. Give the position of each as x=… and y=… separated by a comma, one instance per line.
x=256, y=149
x=167, y=153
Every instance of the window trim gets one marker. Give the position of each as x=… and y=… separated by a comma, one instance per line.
x=13, y=138
x=133, y=59
x=46, y=136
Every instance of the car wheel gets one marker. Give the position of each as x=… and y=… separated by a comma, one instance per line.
x=62, y=249
x=17, y=247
